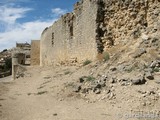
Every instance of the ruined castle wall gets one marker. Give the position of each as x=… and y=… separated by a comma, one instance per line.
x=35, y=52
x=97, y=25
x=128, y=19
x=72, y=36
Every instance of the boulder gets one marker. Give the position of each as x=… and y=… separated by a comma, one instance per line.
x=138, y=80
x=149, y=75
x=76, y=88
x=139, y=52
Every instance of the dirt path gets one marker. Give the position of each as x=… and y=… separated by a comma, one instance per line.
x=36, y=99
x=43, y=97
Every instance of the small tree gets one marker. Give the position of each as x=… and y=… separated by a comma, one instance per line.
x=8, y=64
x=106, y=56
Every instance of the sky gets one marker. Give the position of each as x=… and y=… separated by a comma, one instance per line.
x=24, y=20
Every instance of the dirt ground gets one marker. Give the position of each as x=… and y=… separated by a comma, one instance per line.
x=43, y=95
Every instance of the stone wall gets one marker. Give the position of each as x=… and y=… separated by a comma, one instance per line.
x=35, y=52
x=128, y=19
x=17, y=68
x=97, y=25
x=72, y=37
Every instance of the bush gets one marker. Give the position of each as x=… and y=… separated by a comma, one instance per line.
x=42, y=92
x=87, y=62
x=86, y=79
x=8, y=64
x=156, y=70
x=105, y=56
x=67, y=72
x=90, y=78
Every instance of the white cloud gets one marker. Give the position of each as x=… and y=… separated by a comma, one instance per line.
x=9, y=14
x=23, y=32
x=19, y=32
x=58, y=11
x=11, y=31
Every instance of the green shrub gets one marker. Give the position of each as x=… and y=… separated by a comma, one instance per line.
x=90, y=78
x=130, y=69
x=87, y=62
x=8, y=64
x=156, y=70
x=86, y=79
x=105, y=56
x=67, y=72
x=42, y=92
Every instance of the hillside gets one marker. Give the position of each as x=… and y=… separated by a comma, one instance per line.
x=108, y=69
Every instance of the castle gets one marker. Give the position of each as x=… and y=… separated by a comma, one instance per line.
x=94, y=26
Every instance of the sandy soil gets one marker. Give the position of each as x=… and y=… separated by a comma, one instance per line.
x=44, y=96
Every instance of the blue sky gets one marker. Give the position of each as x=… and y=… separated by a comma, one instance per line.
x=24, y=20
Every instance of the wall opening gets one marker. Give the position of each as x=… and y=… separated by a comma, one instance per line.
x=71, y=31
x=52, y=42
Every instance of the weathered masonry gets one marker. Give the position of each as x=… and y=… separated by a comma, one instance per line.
x=35, y=52
x=95, y=26
x=72, y=37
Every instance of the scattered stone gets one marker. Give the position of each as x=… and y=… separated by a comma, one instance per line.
x=113, y=68
x=29, y=94
x=149, y=70
x=98, y=86
x=144, y=104
x=155, y=64
x=138, y=81
x=144, y=36
x=139, y=52
x=27, y=74
x=102, y=83
x=76, y=88
x=103, y=78
x=55, y=114
x=157, y=81
x=61, y=99
x=149, y=76
x=152, y=92
x=95, y=85
x=111, y=96
x=85, y=90
x=124, y=81
x=97, y=91
x=47, y=77
x=18, y=75
x=81, y=80
x=113, y=80
x=142, y=92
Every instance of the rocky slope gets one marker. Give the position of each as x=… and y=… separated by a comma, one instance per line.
x=124, y=83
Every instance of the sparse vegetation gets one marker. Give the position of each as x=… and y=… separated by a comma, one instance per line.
x=156, y=70
x=29, y=93
x=71, y=84
x=130, y=70
x=67, y=72
x=40, y=87
x=42, y=92
x=86, y=62
x=8, y=64
x=90, y=78
x=105, y=56
x=86, y=78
